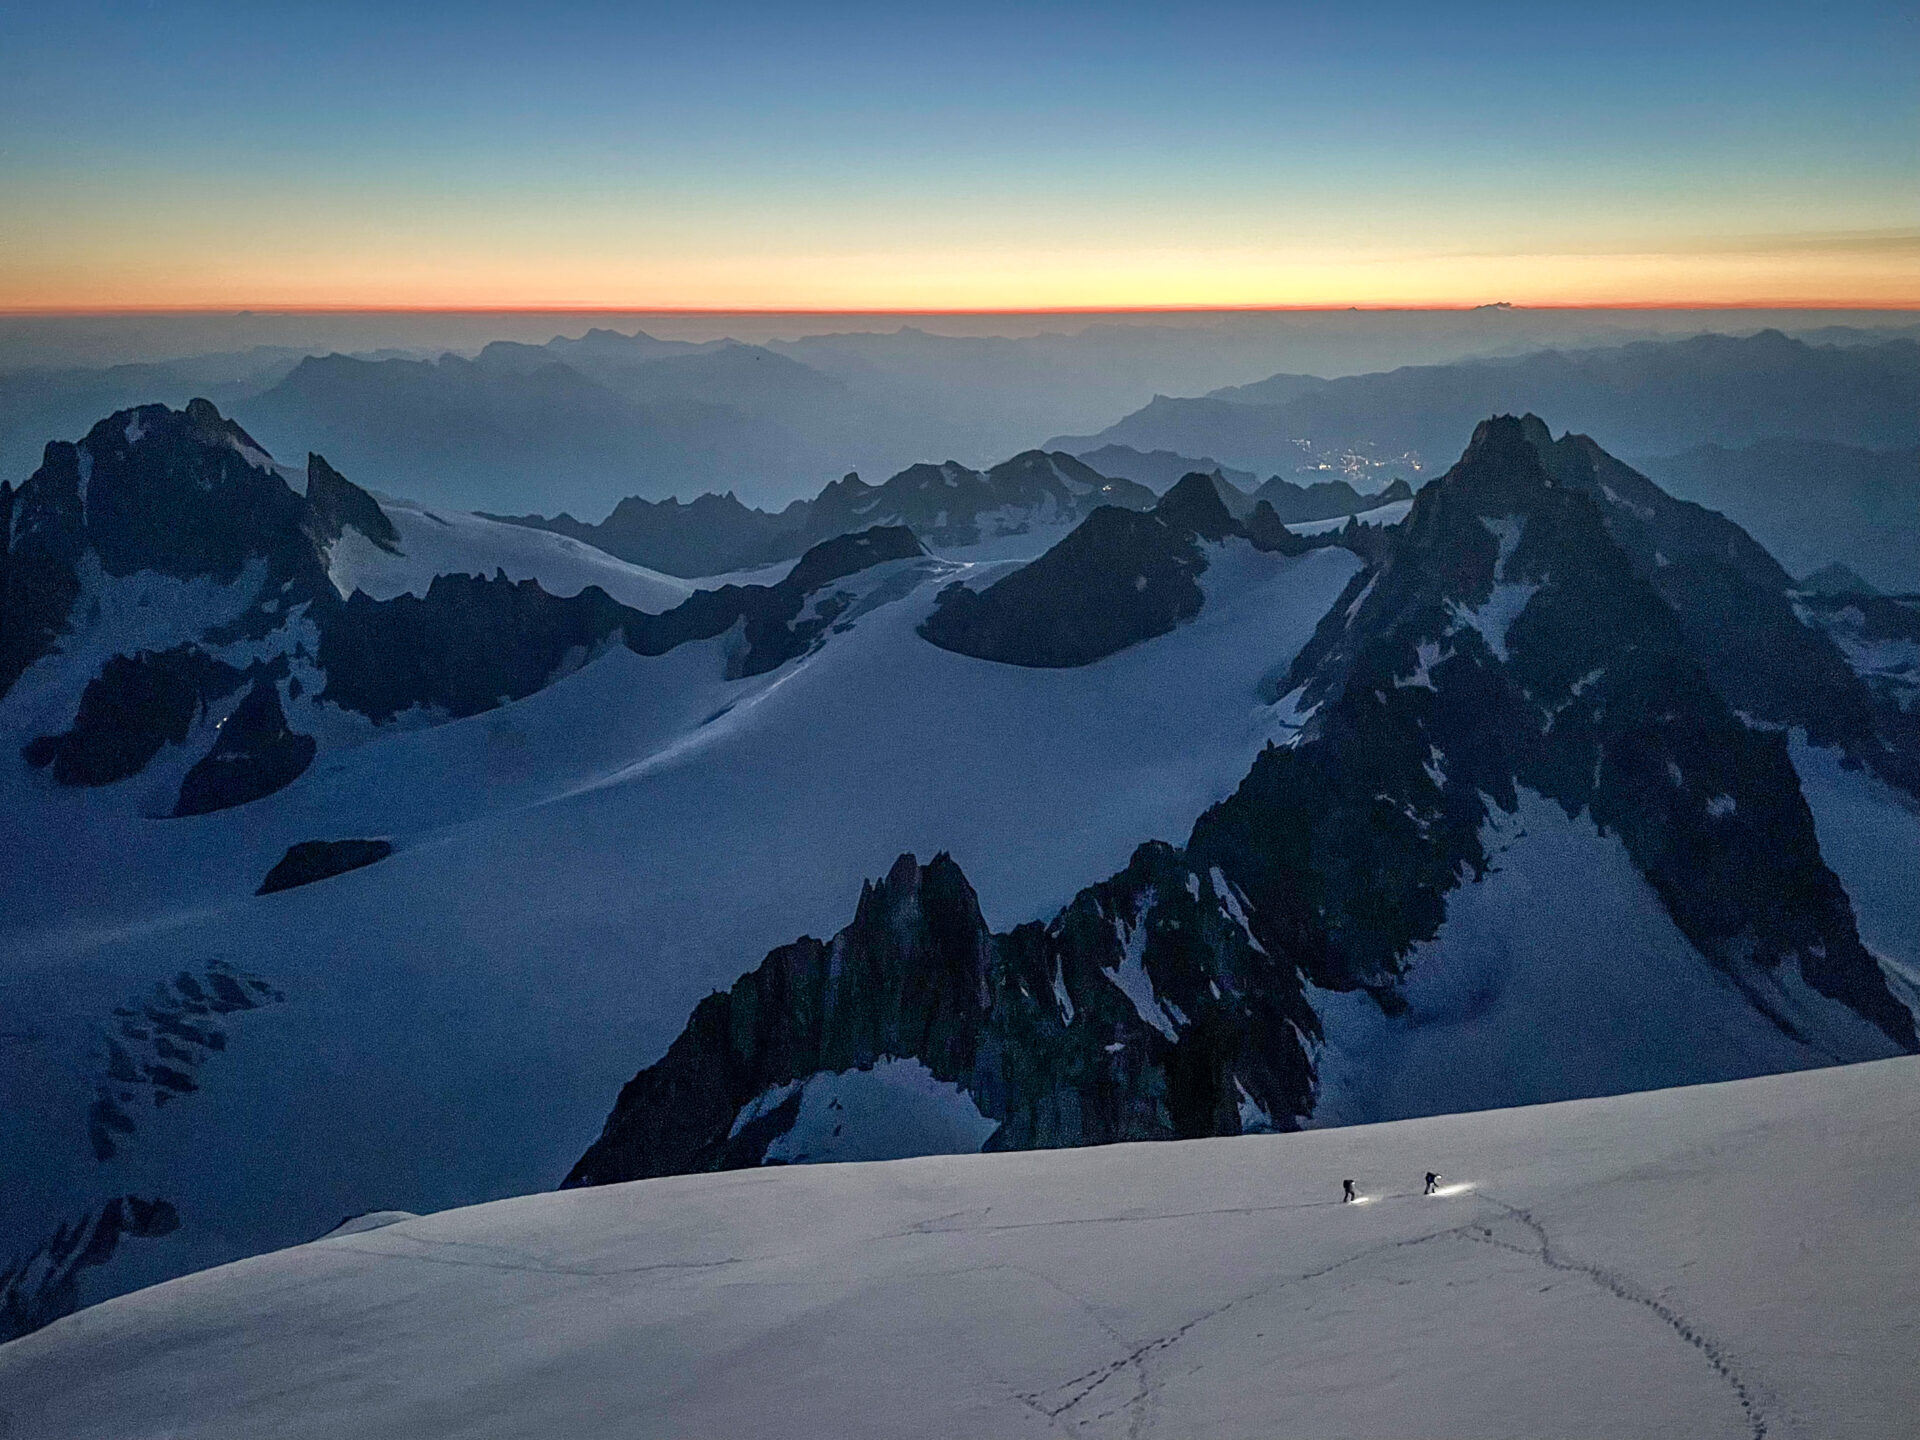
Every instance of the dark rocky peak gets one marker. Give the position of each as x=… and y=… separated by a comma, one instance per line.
x=1040, y=470
x=1653, y=526
x=1505, y=637
x=1033, y=475
x=1325, y=499
x=846, y=555
x=335, y=503
x=1735, y=602
x=133, y=707
x=1835, y=579
x=464, y=647
x=183, y=492
x=708, y=535
x=1194, y=507
x=255, y=754
x=1119, y=577
x=472, y=642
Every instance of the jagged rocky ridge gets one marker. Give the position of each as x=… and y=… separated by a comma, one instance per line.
x=946, y=505
x=259, y=646
x=1040, y=1026
x=1506, y=638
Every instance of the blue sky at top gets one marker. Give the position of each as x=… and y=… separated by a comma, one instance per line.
x=561, y=153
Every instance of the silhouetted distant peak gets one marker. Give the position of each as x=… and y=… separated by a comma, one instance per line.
x=1836, y=579
x=1194, y=505
x=843, y=555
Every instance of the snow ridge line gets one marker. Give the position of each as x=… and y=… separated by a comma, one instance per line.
x=1758, y=1424
x=529, y=1266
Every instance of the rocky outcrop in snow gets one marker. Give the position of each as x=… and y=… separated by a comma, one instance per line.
x=1122, y=576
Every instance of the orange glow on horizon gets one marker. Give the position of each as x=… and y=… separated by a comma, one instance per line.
x=596, y=277
x=1065, y=281
x=262, y=307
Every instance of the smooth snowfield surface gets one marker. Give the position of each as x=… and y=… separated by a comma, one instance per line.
x=572, y=874
x=1731, y=1261
x=451, y=542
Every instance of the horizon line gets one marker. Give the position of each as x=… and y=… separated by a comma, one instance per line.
x=241, y=310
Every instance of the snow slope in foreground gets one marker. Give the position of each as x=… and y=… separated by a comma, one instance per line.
x=1733, y=1261
x=573, y=873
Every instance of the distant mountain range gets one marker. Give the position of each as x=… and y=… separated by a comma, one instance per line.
x=521, y=420
x=948, y=505
x=579, y=422
x=1812, y=502
x=1647, y=398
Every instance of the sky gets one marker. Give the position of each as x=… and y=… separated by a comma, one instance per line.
x=734, y=156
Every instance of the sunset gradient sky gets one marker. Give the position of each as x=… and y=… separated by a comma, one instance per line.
x=745, y=155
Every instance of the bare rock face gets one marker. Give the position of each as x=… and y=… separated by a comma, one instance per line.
x=335, y=504
x=1122, y=576
x=1143, y=1011
x=256, y=754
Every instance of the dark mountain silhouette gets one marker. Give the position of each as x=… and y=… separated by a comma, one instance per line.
x=1162, y=469
x=1121, y=577
x=1325, y=499
x=1835, y=579
x=946, y=505
x=708, y=535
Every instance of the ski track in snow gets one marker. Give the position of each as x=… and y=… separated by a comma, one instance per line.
x=1072, y=1393
x=1616, y=1285
x=1627, y=1267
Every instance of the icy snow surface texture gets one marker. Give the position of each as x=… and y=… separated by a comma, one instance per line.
x=1722, y=1263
